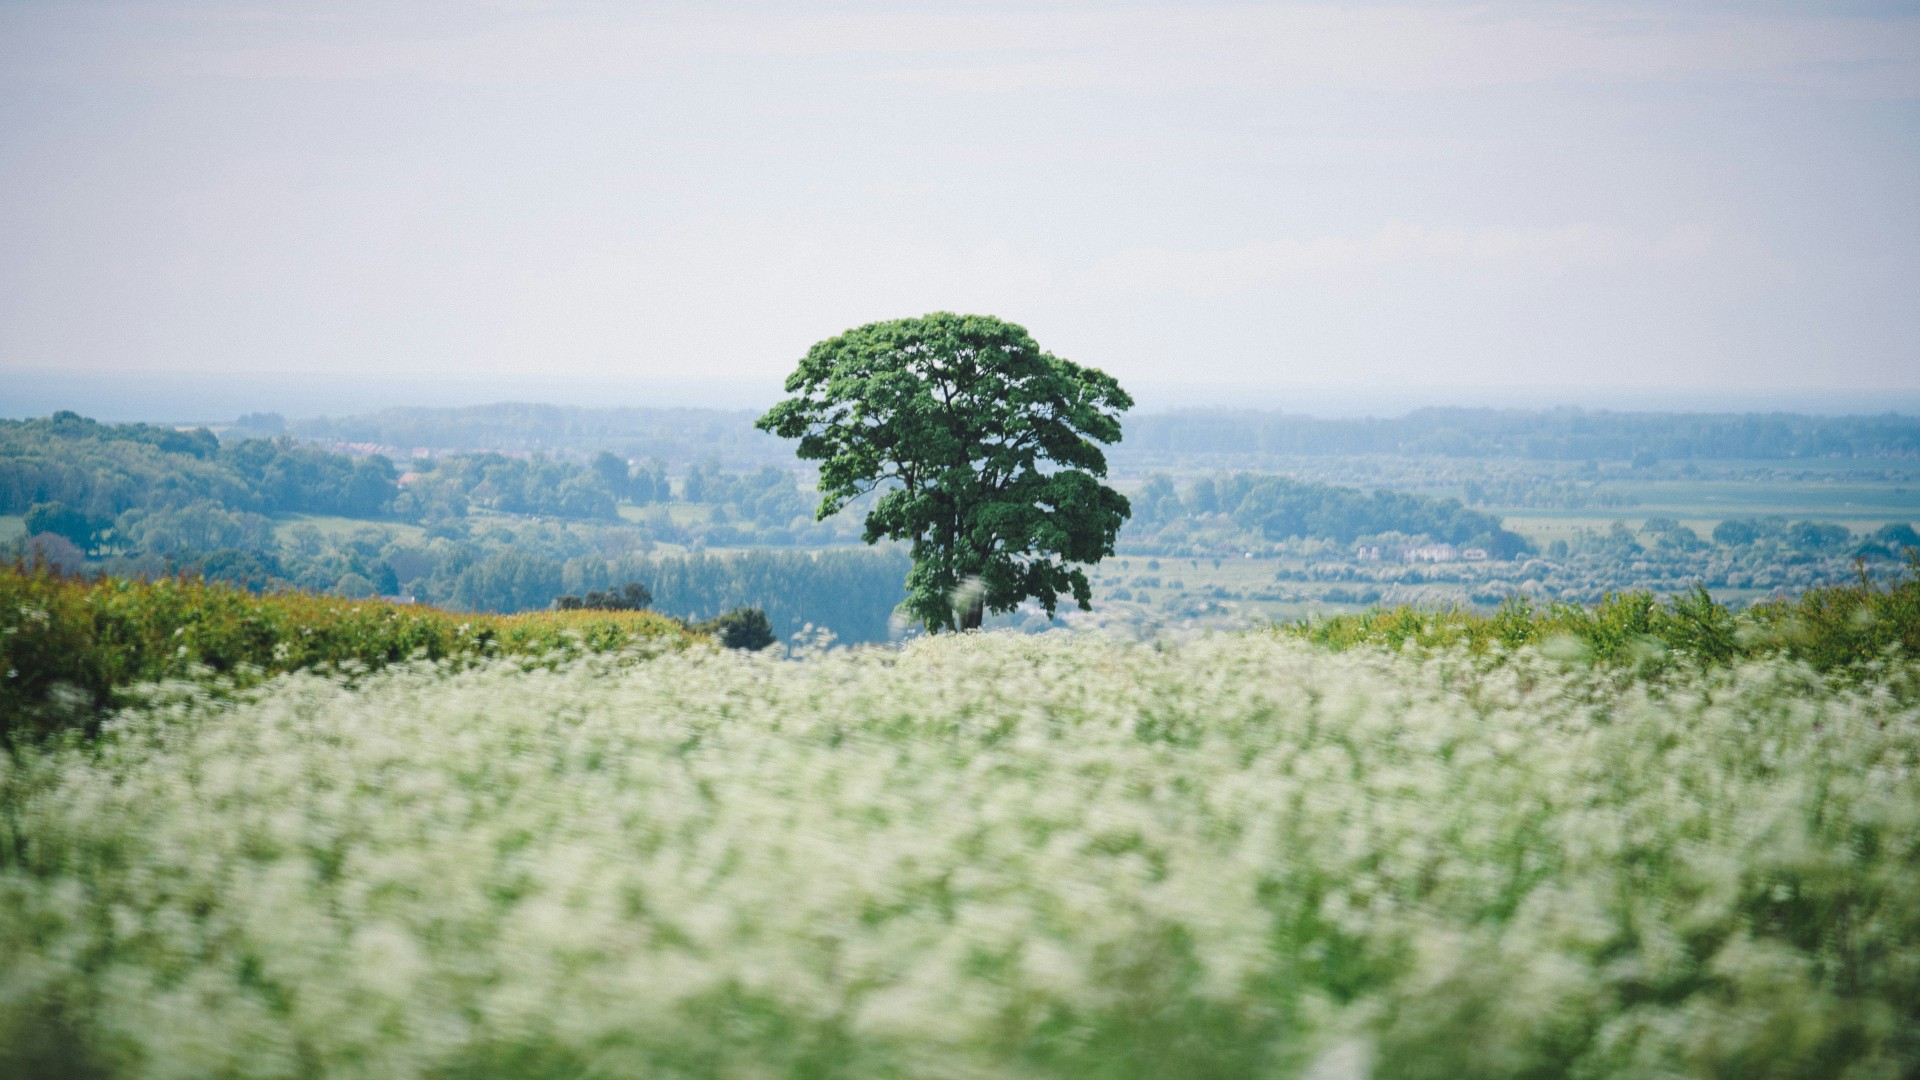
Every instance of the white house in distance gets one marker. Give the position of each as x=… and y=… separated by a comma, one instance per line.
x=1432, y=553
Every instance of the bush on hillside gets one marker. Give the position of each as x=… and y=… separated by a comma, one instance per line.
x=742, y=628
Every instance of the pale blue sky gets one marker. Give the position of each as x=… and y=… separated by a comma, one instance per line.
x=1566, y=199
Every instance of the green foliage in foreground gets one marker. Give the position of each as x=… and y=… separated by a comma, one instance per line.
x=1833, y=627
x=68, y=644
x=982, y=856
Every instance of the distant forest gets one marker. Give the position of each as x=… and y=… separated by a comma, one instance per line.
x=677, y=437
x=681, y=436
x=1281, y=508
x=1545, y=435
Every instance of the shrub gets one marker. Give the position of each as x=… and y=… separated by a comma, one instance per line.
x=742, y=628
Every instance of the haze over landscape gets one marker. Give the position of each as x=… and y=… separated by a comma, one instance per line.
x=1360, y=207
x=1071, y=540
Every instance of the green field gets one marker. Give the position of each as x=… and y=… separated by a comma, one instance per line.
x=1701, y=506
x=340, y=528
x=985, y=856
x=12, y=527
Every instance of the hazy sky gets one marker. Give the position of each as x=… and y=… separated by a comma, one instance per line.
x=1566, y=197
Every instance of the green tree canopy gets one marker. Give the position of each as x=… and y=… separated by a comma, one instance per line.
x=985, y=451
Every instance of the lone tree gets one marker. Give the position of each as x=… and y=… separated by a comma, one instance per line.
x=985, y=449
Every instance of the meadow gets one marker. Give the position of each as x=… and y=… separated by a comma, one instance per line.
x=993, y=855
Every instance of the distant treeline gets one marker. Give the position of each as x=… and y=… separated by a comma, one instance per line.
x=1280, y=508
x=682, y=436
x=678, y=437
x=1553, y=434
x=143, y=487
x=105, y=472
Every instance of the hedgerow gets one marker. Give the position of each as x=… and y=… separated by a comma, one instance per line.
x=1831, y=628
x=68, y=644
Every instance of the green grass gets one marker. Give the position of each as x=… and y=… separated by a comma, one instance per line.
x=1245, y=856
x=12, y=527
x=339, y=528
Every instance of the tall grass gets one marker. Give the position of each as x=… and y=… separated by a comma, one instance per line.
x=1833, y=627
x=67, y=644
x=978, y=857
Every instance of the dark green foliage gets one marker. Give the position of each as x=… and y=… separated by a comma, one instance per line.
x=1889, y=541
x=631, y=596
x=105, y=470
x=506, y=580
x=1817, y=536
x=1279, y=508
x=611, y=470
x=742, y=628
x=538, y=485
x=1669, y=534
x=1157, y=502
x=57, y=518
x=191, y=529
x=984, y=449
x=286, y=477
x=1899, y=535
x=767, y=497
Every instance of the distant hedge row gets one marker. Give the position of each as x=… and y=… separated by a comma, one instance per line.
x=67, y=645
x=1830, y=628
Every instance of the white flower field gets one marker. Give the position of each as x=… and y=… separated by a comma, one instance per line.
x=978, y=856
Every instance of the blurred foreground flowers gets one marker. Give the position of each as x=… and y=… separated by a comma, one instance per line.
x=981, y=856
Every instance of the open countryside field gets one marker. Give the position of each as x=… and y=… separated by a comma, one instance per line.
x=1702, y=504
x=339, y=529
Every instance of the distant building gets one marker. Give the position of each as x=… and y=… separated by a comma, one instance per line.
x=1474, y=554
x=1366, y=553
x=1432, y=553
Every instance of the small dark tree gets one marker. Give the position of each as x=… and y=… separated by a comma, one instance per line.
x=986, y=451
x=611, y=468
x=59, y=519
x=742, y=628
x=632, y=596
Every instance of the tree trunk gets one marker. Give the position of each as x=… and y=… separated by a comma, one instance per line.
x=971, y=615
